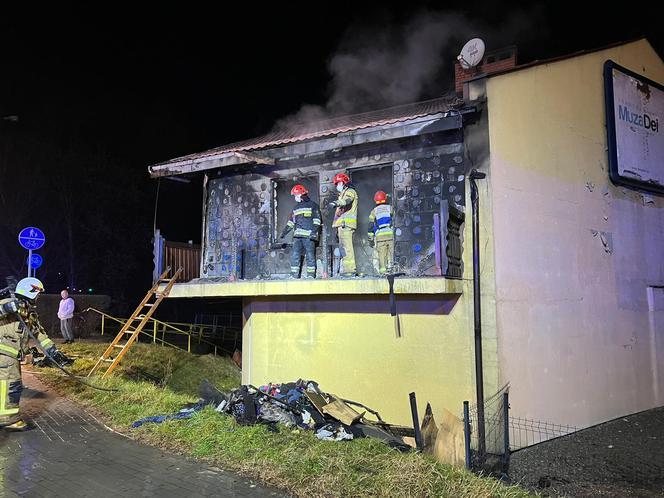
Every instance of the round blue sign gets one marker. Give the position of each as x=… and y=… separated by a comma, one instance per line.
x=36, y=261
x=31, y=238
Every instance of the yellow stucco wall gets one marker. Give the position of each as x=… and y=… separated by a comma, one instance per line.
x=575, y=332
x=359, y=356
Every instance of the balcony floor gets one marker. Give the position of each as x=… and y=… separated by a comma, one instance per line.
x=319, y=287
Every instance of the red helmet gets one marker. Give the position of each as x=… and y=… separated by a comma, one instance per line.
x=341, y=177
x=380, y=197
x=299, y=190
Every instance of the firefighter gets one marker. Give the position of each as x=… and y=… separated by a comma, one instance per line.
x=345, y=220
x=381, y=232
x=305, y=222
x=13, y=342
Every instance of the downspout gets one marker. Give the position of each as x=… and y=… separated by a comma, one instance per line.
x=203, y=230
x=479, y=371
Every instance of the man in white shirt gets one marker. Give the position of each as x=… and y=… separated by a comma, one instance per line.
x=66, y=314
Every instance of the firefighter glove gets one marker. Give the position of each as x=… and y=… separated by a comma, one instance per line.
x=8, y=308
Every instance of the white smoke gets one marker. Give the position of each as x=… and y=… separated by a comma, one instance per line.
x=378, y=67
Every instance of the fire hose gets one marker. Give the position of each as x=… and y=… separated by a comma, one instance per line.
x=56, y=363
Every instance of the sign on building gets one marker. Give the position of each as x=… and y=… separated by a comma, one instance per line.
x=634, y=122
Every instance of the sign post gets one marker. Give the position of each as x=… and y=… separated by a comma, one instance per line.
x=31, y=238
x=34, y=261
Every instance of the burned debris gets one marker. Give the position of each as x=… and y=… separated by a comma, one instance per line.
x=301, y=404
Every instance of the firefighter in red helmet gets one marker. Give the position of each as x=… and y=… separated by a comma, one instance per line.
x=381, y=232
x=345, y=221
x=305, y=221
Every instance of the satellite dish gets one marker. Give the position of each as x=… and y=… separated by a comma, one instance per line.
x=471, y=53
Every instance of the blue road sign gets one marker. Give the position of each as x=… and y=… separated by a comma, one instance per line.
x=31, y=238
x=35, y=261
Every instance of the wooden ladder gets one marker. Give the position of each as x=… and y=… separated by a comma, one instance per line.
x=122, y=347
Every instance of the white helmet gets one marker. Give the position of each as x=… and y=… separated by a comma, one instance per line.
x=29, y=288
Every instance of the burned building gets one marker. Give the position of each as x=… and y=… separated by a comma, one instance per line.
x=415, y=153
x=571, y=234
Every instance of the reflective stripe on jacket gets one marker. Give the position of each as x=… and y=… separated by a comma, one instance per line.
x=11, y=336
x=346, y=212
x=380, y=223
x=304, y=220
x=13, y=340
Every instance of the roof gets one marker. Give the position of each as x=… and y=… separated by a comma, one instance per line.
x=334, y=126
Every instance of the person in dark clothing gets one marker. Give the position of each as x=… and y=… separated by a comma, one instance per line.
x=305, y=221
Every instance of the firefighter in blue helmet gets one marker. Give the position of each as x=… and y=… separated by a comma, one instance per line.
x=381, y=232
x=305, y=222
x=13, y=342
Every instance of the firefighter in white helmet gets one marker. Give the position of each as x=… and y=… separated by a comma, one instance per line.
x=14, y=306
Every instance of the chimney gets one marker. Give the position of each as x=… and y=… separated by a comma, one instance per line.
x=493, y=62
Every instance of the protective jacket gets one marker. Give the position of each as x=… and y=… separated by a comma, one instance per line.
x=346, y=212
x=13, y=343
x=14, y=340
x=304, y=220
x=380, y=223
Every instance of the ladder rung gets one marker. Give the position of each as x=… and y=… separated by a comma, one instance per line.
x=142, y=318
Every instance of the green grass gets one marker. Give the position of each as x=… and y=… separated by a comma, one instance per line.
x=291, y=459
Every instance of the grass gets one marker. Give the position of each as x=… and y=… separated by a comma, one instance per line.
x=293, y=460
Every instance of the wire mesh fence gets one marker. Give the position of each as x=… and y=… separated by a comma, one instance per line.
x=503, y=433
x=495, y=428
x=526, y=432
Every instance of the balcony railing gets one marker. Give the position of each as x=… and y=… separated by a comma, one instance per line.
x=176, y=255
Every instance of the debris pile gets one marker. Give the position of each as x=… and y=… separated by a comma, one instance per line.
x=299, y=404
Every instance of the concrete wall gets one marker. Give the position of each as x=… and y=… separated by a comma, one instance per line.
x=574, y=254
x=48, y=304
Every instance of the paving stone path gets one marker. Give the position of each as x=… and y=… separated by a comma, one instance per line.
x=71, y=453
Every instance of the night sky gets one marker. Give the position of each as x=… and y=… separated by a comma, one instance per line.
x=101, y=93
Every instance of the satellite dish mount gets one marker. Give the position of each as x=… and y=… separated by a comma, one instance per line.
x=472, y=53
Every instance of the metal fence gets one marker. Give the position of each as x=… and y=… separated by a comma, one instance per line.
x=496, y=448
x=526, y=432
x=503, y=433
x=186, y=336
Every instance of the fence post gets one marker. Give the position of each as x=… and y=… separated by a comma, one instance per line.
x=466, y=432
x=154, y=332
x=506, y=421
x=188, y=343
x=102, y=323
x=416, y=422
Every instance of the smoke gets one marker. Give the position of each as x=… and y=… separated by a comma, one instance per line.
x=381, y=66
x=397, y=67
